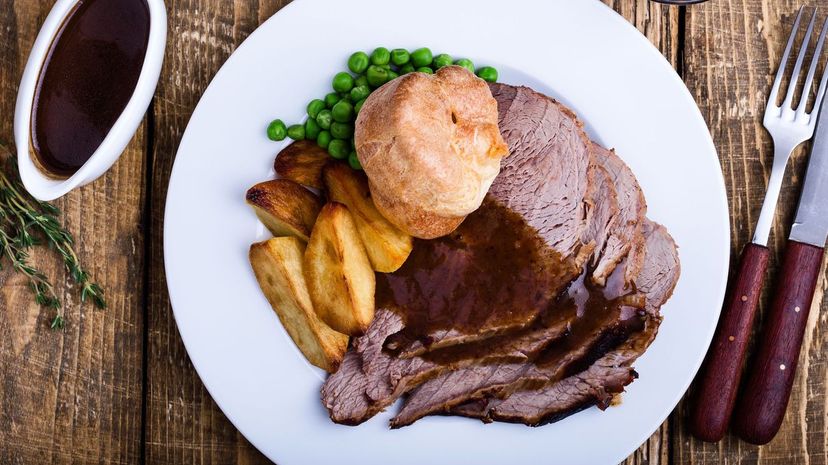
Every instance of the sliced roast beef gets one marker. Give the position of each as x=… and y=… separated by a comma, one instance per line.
x=371, y=378
x=545, y=177
x=386, y=376
x=609, y=374
x=544, y=181
x=501, y=379
x=661, y=266
x=602, y=210
x=480, y=317
x=390, y=376
x=344, y=392
x=549, y=147
x=606, y=317
x=595, y=386
x=625, y=238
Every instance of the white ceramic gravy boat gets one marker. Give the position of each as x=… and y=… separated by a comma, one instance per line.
x=36, y=182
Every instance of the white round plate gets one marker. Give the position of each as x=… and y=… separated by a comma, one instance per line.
x=580, y=52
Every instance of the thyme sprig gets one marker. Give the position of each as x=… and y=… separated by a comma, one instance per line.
x=26, y=222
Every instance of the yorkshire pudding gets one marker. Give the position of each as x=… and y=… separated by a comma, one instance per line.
x=431, y=148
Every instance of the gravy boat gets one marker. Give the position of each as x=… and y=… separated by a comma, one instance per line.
x=38, y=183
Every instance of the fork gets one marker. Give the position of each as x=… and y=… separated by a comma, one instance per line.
x=717, y=386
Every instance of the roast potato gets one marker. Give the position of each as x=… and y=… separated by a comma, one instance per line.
x=285, y=207
x=339, y=275
x=277, y=264
x=387, y=245
x=302, y=162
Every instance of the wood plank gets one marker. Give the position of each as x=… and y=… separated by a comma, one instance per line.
x=74, y=396
x=732, y=50
x=183, y=424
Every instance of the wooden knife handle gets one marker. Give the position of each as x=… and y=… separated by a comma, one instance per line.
x=719, y=380
x=765, y=397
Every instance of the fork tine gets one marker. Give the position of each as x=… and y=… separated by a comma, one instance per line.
x=811, y=72
x=803, y=49
x=820, y=94
x=783, y=64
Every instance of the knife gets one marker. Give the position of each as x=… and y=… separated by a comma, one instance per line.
x=765, y=395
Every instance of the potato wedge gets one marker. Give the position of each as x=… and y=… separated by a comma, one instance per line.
x=285, y=207
x=302, y=162
x=339, y=275
x=388, y=247
x=277, y=264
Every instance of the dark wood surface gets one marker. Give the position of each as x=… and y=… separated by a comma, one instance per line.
x=117, y=387
x=718, y=382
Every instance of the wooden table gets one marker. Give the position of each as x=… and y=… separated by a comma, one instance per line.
x=116, y=386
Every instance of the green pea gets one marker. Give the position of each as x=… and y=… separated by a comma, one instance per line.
x=323, y=139
x=354, y=161
x=315, y=106
x=331, y=99
x=400, y=56
x=421, y=57
x=360, y=92
x=342, y=130
x=339, y=149
x=296, y=132
x=324, y=119
x=385, y=66
x=487, y=73
x=343, y=112
x=441, y=60
x=392, y=75
x=361, y=80
x=407, y=68
x=376, y=76
x=276, y=130
x=342, y=82
x=465, y=63
x=358, y=106
x=312, y=129
x=425, y=69
x=380, y=56
x=358, y=62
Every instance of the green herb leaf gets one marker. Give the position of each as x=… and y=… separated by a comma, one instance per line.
x=26, y=222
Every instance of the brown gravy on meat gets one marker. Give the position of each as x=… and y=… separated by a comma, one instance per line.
x=495, y=271
x=492, y=272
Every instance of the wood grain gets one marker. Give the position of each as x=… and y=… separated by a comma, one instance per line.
x=74, y=396
x=732, y=49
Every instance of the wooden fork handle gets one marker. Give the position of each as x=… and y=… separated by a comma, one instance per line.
x=765, y=397
x=717, y=385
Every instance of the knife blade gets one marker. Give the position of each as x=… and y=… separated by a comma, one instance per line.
x=811, y=222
